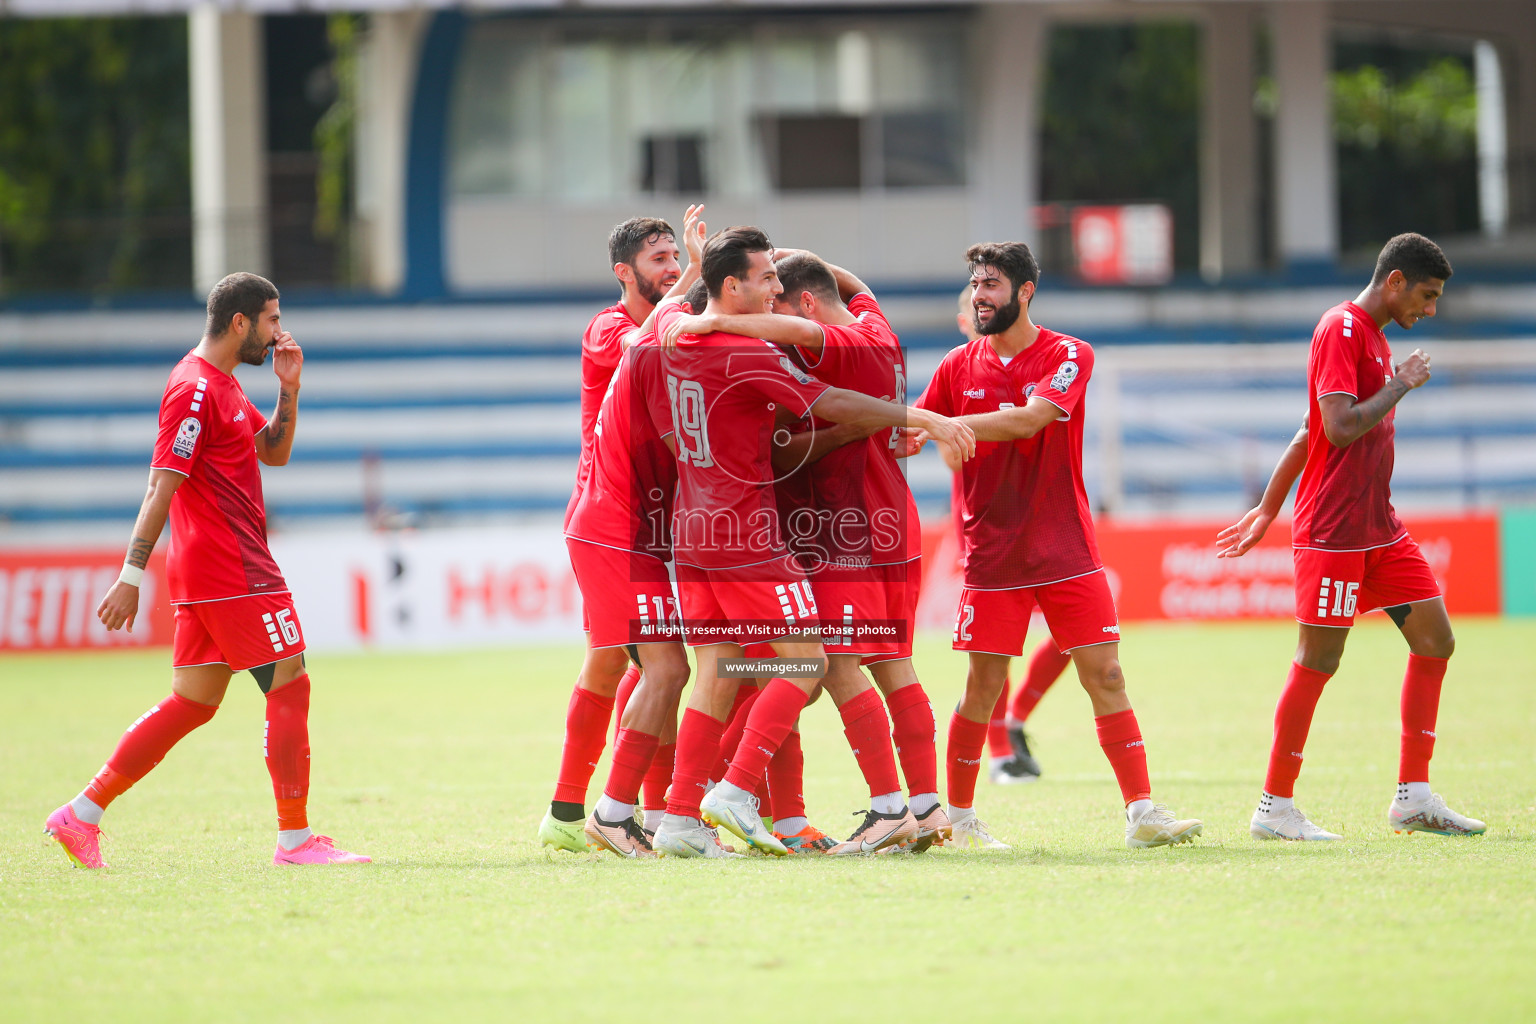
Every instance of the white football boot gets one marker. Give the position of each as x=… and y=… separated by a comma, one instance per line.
x=1432, y=816
x=1289, y=824
x=1156, y=827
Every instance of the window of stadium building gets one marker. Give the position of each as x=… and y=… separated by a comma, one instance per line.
x=592, y=112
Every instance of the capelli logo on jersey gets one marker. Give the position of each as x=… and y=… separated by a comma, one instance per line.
x=239, y=416
x=975, y=393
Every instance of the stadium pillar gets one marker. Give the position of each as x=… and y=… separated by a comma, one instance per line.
x=1520, y=97
x=1010, y=47
x=388, y=64
x=229, y=151
x=1229, y=226
x=1306, y=192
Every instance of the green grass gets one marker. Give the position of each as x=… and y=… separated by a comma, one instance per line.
x=440, y=766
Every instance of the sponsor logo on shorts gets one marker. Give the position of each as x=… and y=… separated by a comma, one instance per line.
x=1111, y=629
x=186, y=437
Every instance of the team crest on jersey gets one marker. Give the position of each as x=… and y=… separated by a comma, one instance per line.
x=1029, y=392
x=794, y=371
x=1066, y=373
x=186, y=437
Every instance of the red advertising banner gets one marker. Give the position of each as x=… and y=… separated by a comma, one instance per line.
x=48, y=601
x=1170, y=570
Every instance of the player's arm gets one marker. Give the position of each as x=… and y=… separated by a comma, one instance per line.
x=1236, y=539
x=693, y=240
x=274, y=443
x=843, y=406
x=808, y=446
x=121, y=605
x=1345, y=420
x=774, y=327
x=1014, y=424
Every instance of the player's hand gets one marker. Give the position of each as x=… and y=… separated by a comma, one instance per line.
x=694, y=233
x=120, y=607
x=702, y=323
x=287, y=360
x=779, y=254
x=951, y=434
x=1235, y=540
x=910, y=441
x=1414, y=370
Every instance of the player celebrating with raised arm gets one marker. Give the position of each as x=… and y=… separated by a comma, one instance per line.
x=1352, y=553
x=862, y=539
x=233, y=609
x=736, y=580
x=1029, y=538
x=644, y=254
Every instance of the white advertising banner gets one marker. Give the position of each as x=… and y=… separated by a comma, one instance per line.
x=446, y=588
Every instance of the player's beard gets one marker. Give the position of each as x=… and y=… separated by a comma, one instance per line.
x=252, y=349
x=1003, y=317
x=652, y=290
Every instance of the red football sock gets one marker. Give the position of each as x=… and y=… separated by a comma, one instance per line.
x=632, y=754
x=916, y=738
x=286, y=748
x=1045, y=667
x=627, y=684
x=868, y=729
x=145, y=743
x=735, y=724
x=698, y=749
x=963, y=759
x=770, y=719
x=1120, y=737
x=1420, y=707
x=586, y=726
x=786, y=778
x=998, y=744
x=660, y=776
x=1293, y=719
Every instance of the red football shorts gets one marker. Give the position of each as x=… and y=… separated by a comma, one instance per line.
x=626, y=596
x=752, y=605
x=1331, y=586
x=1079, y=612
x=863, y=610
x=242, y=632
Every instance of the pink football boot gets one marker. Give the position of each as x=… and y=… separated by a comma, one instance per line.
x=318, y=850
x=81, y=841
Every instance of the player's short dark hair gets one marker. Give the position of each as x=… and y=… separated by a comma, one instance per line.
x=1416, y=256
x=806, y=272
x=1014, y=259
x=728, y=253
x=237, y=293
x=627, y=239
x=697, y=297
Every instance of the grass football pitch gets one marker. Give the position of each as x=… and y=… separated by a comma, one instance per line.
x=440, y=767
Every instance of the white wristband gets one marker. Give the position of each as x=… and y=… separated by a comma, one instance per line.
x=131, y=575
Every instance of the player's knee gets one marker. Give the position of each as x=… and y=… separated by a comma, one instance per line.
x=1105, y=680
x=1442, y=645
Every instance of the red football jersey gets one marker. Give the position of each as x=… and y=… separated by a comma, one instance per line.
x=1344, y=502
x=1024, y=512
x=208, y=434
x=626, y=500
x=865, y=505
x=600, y=351
x=725, y=391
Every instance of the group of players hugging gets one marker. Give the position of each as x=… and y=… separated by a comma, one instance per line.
x=740, y=493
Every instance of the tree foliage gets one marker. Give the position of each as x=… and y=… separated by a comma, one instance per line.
x=95, y=189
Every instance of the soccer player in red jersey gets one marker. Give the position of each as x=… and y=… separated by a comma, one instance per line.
x=644, y=254
x=1352, y=553
x=1007, y=742
x=736, y=580
x=858, y=536
x=1029, y=538
x=233, y=611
